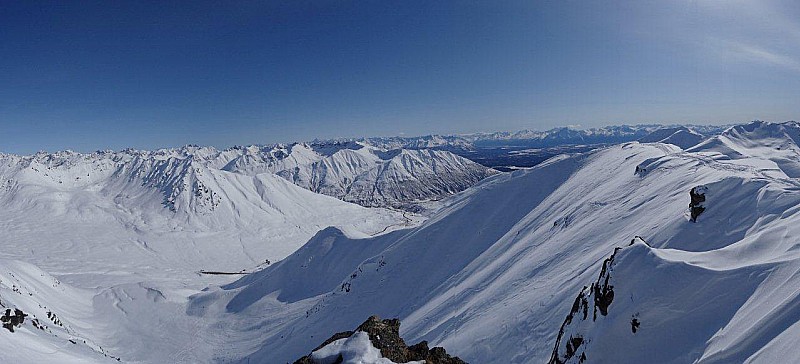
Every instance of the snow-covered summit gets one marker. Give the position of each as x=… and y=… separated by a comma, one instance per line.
x=680, y=135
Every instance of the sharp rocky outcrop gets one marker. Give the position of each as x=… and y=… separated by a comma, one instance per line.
x=698, y=202
x=571, y=339
x=385, y=336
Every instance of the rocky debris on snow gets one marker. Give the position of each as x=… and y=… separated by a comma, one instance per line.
x=11, y=320
x=385, y=336
x=697, y=204
x=38, y=325
x=635, y=323
x=52, y=316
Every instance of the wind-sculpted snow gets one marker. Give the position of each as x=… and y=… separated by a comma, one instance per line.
x=493, y=276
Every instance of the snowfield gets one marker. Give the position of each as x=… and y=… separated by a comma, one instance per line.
x=595, y=257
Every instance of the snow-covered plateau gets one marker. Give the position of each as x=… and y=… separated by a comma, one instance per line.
x=681, y=248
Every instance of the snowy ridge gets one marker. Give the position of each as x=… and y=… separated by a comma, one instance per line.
x=681, y=136
x=492, y=276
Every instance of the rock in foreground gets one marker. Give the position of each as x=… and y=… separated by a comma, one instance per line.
x=385, y=336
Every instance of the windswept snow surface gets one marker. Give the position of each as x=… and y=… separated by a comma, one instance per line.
x=492, y=277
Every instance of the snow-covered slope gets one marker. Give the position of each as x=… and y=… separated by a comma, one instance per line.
x=492, y=277
x=398, y=178
x=44, y=320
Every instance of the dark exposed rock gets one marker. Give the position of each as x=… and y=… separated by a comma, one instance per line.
x=602, y=292
x=12, y=320
x=385, y=336
x=336, y=336
x=635, y=324
x=697, y=204
x=581, y=304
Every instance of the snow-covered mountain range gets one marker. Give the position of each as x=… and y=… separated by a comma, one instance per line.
x=492, y=277
x=374, y=177
x=663, y=250
x=541, y=138
x=350, y=171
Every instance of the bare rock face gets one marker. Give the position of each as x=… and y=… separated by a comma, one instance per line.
x=570, y=342
x=13, y=319
x=697, y=204
x=385, y=336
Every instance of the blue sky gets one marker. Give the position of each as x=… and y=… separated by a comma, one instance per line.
x=145, y=74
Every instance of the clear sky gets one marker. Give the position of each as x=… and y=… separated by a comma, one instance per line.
x=88, y=75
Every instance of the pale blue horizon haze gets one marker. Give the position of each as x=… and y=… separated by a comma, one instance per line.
x=94, y=75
